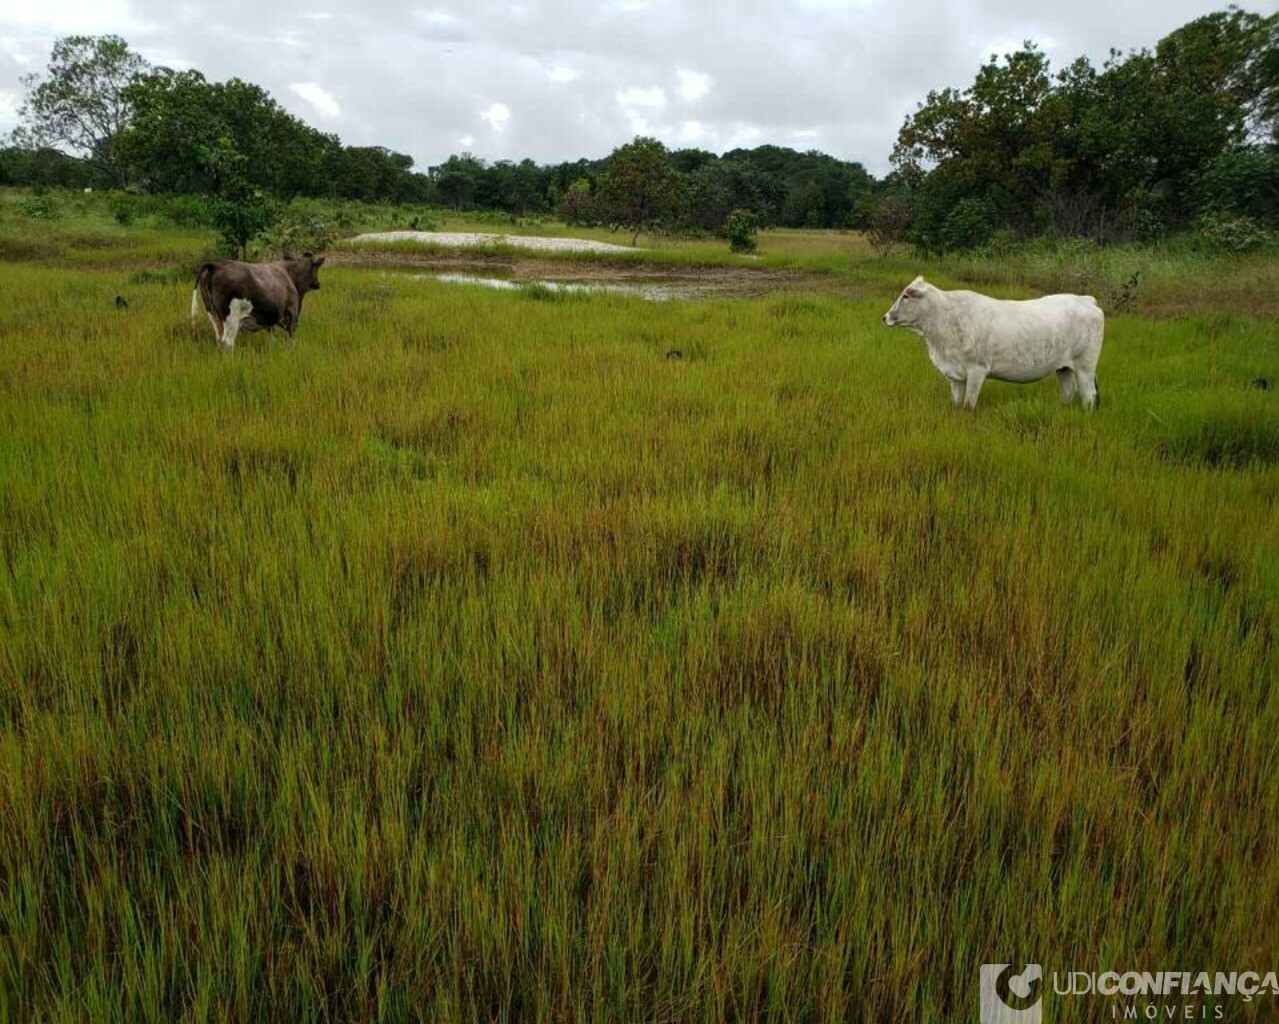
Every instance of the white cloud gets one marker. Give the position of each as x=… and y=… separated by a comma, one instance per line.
x=693, y=85
x=319, y=98
x=639, y=105
x=498, y=116
x=691, y=133
x=16, y=51
x=562, y=75
x=61, y=17
x=9, y=102
x=466, y=141
x=441, y=25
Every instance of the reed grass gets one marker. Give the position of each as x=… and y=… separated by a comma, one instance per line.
x=468, y=658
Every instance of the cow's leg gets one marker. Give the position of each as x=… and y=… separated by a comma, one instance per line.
x=217, y=326
x=1087, y=387
x=1066, y=382
x=240, y=310
x=976, y=378
x=956, y=391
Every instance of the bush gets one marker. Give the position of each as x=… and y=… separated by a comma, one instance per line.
x=1225, y=232
x=124, y=208
x=240, y=216
x=294, y=234
x=187, y=212
x=888, y=221
x=969, y=225
x=741, y=228
x=1244, y=183
x=39, y=206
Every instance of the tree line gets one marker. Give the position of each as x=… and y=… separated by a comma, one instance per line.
x=1155, y=141
x=100, y=116
x=1184, y=135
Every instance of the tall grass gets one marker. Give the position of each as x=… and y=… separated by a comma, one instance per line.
x=469, y=659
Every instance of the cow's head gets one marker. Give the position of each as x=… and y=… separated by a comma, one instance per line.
x=910, y=304
x=310, y=277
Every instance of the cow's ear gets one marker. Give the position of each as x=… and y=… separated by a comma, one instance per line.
x=308, y=255
x=320, y=262
x=914, y=293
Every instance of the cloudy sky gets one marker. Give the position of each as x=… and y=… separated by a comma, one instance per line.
x=559, y=79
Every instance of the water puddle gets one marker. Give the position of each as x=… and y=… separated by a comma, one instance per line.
x=650, y=292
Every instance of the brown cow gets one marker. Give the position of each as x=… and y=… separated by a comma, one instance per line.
x=254, y=296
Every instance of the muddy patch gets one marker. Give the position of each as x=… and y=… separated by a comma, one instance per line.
x=537, y=288
x=597, y=274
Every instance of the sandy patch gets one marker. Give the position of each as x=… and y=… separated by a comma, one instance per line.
x=472, y=239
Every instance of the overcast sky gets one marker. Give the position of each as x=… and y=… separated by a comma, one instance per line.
x=559, y=79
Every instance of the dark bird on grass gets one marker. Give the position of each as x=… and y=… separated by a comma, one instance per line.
x=1261, y=383
x=121, y=302
x=674, y=355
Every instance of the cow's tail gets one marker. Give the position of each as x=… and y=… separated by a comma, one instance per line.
x=202, y=290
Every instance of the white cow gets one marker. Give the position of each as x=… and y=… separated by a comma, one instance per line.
x=971, y=337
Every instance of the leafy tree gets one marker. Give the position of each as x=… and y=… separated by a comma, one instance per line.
x=1243, y=182
x=179, y=115
x=641, y=188
x=79, y=103
x=577, y=205
x=456, y=179
x=1124, y=148
x=240, y=211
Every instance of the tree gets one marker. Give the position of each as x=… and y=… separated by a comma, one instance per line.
x=179, y=115
x=577, y=206
x=1088, y=151
x=640, y=189
x=240, y=211
x=79, y=104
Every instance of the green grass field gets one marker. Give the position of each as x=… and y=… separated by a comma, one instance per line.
x=469, y=659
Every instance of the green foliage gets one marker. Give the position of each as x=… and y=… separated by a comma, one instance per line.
x=38, y=206
x=887, y=219
x=79, y=103
x=640, y=190
x=1243, y=182
x=741, y=228
x=577, y=205
x=239, y=210
x=1234, y=233
x=293, y=234
x=1136, y=149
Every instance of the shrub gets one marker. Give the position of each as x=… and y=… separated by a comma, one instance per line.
x=124, y=208
x=187, y=211
x=889, y=219
x=969, y=225
x=1226, y=232
x=294, y=234
x=741, y=228
x=39, y=206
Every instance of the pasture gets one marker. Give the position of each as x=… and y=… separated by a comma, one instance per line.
x=473, y=658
